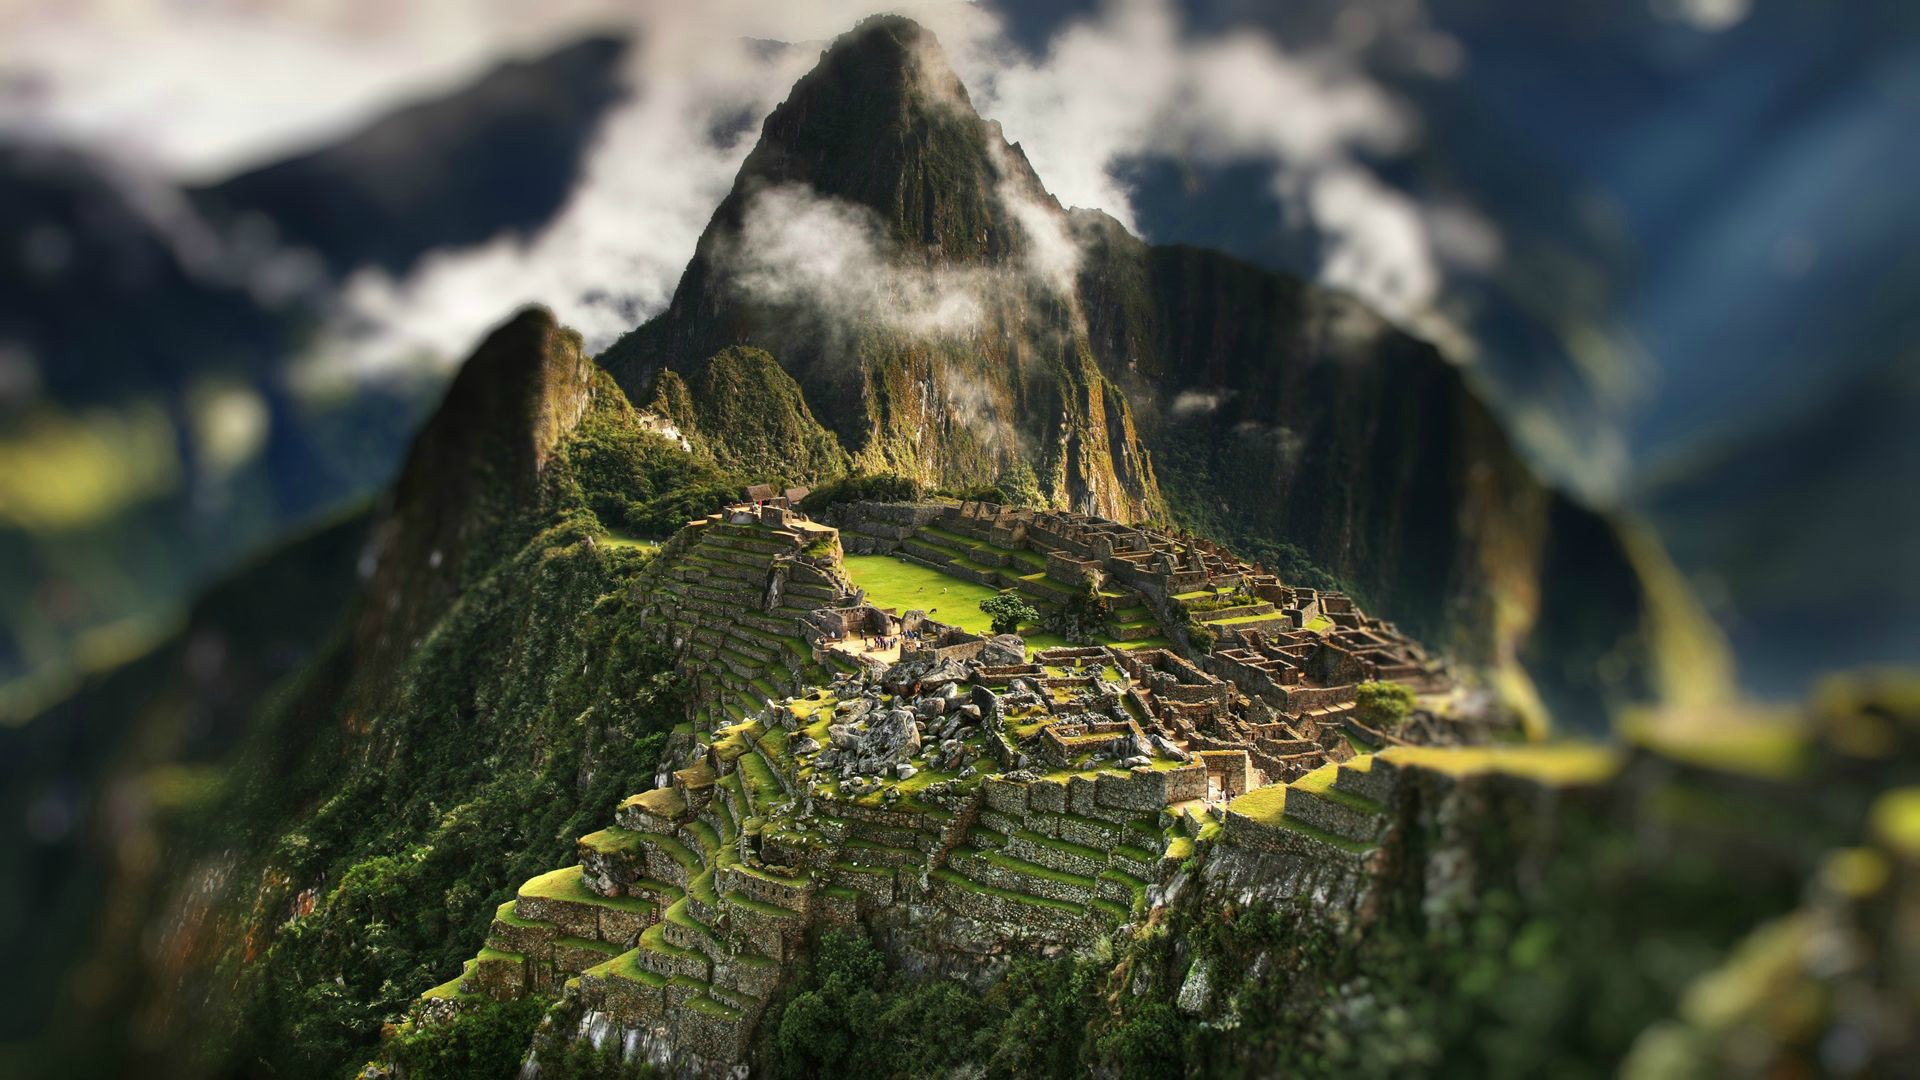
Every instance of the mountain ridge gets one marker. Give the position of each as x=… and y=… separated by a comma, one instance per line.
x=1139, y=382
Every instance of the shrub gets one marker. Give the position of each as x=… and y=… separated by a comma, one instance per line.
x=873, y=487
x=483, y=1040
x=1083, y=618
x=1383, y=704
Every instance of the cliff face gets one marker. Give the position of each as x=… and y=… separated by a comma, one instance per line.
x=475, y=467
x=1307, y=431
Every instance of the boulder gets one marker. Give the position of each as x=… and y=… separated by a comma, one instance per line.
x=893, y=737
x=1002, y=650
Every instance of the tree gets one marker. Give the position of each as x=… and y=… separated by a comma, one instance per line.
x=1008, y=611
x=1018, y=486
x=1384, y=705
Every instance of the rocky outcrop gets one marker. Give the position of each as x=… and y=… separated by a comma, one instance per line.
x=472, y=479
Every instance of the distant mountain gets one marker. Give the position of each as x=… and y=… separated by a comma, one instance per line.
x=1801, y=532
x=135, y=311
x=498, y=156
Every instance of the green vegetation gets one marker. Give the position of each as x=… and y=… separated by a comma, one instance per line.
x=863, y=487
x=410, y=850
x=895, y=583
x=1383, y=705
x=639, y=483
x=752, y=417
x=849, y=1015
x=485, y=1039
x=1083, y=618
x=1008, y=611
x=1018, y=486
x=1560, y=763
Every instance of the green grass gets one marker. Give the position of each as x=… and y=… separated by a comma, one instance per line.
x=505, y=913
x=627, y=966
x=761, y=784
x=1268, y=806
x=1022, y=866
x=700, y=886
x=1320, y=782
x=704, y=1004
x=586, y=943
x=676, y=851
x=679, y=916
x=450, y=990
x=1064, y=846
x=895, y=583
x=612, y=839
x=565, y=884
x=892, y=582
x=654, y=939
x=621, y=540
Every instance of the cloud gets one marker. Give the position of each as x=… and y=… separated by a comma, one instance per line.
x=798, y=248
x=1199, y=402
x=1130, y=81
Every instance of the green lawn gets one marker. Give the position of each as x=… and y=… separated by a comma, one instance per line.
x=894, y=583
x=616, y=538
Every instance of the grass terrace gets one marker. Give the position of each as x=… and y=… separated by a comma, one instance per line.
x=1268, y=806
x=1568, y=763
x=565, y=884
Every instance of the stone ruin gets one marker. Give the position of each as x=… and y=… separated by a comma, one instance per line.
x=965, y=788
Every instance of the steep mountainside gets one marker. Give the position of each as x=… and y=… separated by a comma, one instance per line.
x=483, y=696
x=94, y=779
x=944, y=316
x=893, y=253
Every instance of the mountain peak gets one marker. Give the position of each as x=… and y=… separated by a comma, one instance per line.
x=883, y=122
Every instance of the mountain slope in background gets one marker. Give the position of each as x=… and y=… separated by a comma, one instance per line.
x=904, y=264
x=479, y=697
x=498, y=157
x=144, y=452
x=1760, y=523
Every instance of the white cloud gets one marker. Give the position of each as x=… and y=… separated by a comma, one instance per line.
x=1130, y=82
x=796, y=248
x=1199, y=402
